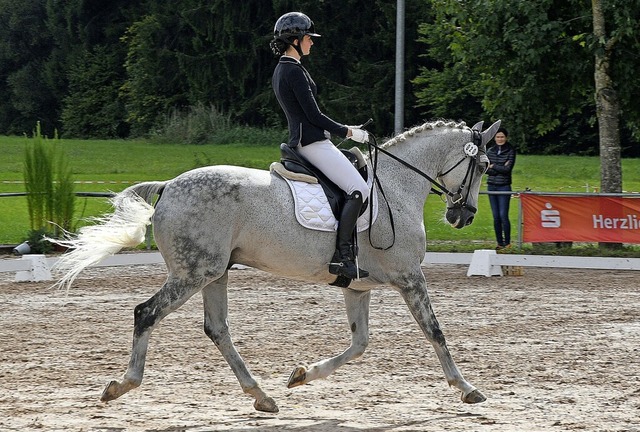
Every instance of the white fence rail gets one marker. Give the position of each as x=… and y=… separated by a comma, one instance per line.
x=482, y=262
x=35, y=268
x=489, y=263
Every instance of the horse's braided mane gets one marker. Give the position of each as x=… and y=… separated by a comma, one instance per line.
x=424, y=127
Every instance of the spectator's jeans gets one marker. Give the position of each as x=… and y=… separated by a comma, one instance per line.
x=500, y=209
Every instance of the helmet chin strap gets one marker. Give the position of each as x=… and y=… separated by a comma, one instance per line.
x=297, y=47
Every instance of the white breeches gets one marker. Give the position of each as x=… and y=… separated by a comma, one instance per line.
x=329, y=159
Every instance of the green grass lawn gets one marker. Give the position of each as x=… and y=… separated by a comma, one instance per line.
x=103, y=166
x=111, y=166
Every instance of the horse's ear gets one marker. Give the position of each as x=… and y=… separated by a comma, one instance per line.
x=478, y=126
x=490, y=133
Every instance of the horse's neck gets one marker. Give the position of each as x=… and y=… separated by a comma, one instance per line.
x=405, y=184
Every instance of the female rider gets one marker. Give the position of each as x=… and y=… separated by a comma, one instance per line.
x=310, y=130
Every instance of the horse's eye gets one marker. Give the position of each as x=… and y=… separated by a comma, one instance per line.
x=483, y=167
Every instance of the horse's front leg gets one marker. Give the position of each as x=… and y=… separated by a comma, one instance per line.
x=414, y=292
x=173, y=294
x=357, y=303
x=216, y=327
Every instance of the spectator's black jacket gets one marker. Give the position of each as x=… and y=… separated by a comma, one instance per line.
x=296, y=92
x=500, y=174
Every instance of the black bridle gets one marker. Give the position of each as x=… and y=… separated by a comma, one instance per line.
x=471, y=150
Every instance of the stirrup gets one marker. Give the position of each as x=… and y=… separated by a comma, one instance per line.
x=347, y=268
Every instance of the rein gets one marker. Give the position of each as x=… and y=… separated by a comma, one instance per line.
x=471, y=151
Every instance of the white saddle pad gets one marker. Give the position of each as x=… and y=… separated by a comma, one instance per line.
x=312, y=207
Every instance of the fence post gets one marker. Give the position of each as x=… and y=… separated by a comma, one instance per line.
x=38, y=272
x=520, y=222
x=482, y=265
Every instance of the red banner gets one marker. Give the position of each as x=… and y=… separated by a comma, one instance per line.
x=551, y=218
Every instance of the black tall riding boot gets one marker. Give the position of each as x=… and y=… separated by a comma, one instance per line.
x=343, y=261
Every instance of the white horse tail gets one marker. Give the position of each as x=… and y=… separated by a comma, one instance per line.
x=125, y=227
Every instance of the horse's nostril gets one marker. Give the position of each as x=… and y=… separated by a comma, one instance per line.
x=469, y=221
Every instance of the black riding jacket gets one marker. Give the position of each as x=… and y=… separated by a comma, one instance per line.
x=500, y=174
x=296, y=93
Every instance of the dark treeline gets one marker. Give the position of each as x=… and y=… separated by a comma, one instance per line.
x=90, y=68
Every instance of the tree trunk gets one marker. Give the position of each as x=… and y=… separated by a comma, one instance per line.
x=607, y=111
x=607, y=107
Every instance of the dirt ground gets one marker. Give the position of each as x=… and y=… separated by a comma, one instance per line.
x=553, y=350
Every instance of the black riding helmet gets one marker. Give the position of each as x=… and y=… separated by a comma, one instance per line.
x=289, y=27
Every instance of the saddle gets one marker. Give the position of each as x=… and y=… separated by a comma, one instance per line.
x=294, y=162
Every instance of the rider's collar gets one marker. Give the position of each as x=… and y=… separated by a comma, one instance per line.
x=288, y=59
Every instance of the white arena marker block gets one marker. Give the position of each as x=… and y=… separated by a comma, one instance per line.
x=39, y=270
x=481, y=264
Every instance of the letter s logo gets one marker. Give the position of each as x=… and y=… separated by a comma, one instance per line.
x=550, y=218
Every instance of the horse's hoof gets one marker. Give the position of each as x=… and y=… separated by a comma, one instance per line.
x=266, y=404
x=473, y=397
x=297, y=377
x=110, y=392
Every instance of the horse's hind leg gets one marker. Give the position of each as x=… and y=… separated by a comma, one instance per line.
x=216, y=327
x=173, y=294
x=414, y=292
x=357, y=304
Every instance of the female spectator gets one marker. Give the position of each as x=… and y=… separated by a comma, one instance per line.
x=502, y=158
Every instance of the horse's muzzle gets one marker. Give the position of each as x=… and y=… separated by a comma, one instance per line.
x=460, y=216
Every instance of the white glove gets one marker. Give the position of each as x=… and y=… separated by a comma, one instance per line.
x=359, y=135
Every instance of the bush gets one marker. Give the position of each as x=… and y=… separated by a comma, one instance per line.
x=37, y=242
x=38, y=179
x=193, y=126
x=202, y=124
x=49, y=185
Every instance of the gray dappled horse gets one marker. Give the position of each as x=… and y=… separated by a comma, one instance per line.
x=210, y=218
